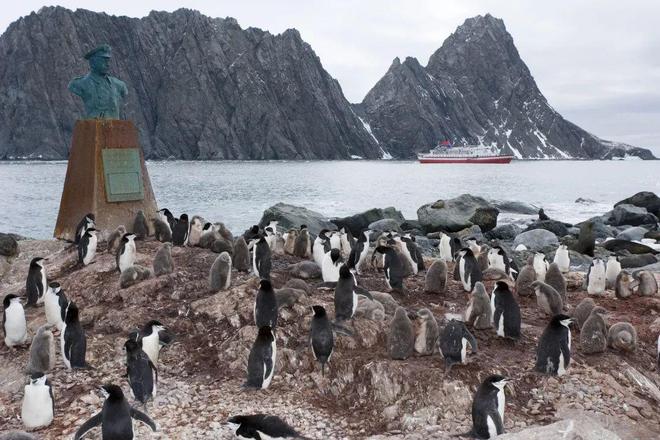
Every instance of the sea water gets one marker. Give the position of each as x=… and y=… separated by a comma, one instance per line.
x=237, y=192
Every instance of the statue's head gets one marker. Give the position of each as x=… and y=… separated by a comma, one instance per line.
x=99, y=59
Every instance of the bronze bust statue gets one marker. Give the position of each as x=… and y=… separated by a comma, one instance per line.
x=101, y=93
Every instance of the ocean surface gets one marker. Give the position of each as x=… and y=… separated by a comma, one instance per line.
x=237, y=192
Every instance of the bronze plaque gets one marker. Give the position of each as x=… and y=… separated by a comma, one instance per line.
x=123, y=174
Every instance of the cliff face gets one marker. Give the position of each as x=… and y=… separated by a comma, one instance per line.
x=199, y=88
x=476, y=89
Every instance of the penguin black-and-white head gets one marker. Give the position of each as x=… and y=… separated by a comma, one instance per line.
x=37, y=262
x=112, y=392
x=208, y=226
x=501, y=286
x=132, y=345
x=183, y=218
x=9, y=300
x=345, y=272
x=38, y=379
x=561, y=320
x=72, y=313
x=323, y=234
x=55, y=287
x=319, y=311
x=129, y=236
x=497, y=381
x=303, y=227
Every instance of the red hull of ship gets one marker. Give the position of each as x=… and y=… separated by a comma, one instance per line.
x=496, y=159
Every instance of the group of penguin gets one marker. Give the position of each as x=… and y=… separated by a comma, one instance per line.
x=340, y=258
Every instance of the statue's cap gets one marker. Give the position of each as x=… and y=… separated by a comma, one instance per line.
x=103, y=50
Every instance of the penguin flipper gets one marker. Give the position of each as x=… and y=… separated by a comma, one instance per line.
x=327, y=285
x=471, y=340
x=364, y=292
x=89, y=424
x=139, y=415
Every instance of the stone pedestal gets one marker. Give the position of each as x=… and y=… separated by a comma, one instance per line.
x=114, y=193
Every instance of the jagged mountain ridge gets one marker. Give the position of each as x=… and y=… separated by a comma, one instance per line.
x=199, y=88
x=204, y=88
x=475, y=89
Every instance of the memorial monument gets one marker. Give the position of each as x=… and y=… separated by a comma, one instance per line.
x=106, y=174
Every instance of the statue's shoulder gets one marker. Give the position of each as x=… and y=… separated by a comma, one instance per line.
x=78, y=83
x=119, y=85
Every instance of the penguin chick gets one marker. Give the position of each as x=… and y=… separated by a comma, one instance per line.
x=436, y=278
x=622, y=336
x=401, y=338
x=582, y=311
x=555, y=279
x=115, y=238
x=162, y=230
x=612, y=270
x=42, y=351
x=140, y=227
x=133, y=275
x=562, y=258
x=648, y=286
x=623, y=285
x=14, y=325
x=479, y=312
x=547, y=298
x=524, y=281
x=163, y=263
x=427, y=332
x=241, y=257
x=593, y=336
x=220, y=273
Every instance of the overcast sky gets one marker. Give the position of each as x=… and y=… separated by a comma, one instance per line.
x=596, y=61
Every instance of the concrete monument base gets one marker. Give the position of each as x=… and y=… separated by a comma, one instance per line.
x=106, y=175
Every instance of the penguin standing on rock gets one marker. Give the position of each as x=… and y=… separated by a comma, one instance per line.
x=195, y=229
x=302, y=247
x=265, y=306
x=562, y=258
x=261, y=259
x=498, y=259
x=261, y=426
x=86, y=223
x=648, y=285
x=87, y=247
x=506, y=312
x=453, y=343
x=359, y=252
x=166, y=216
x=55, y=303
x=582, y=311
x=401, y=338
x=154, y=337
x=321, y=337
x=436, y=277
x=241, y=257
x=115, y=418
x=332, y=261
x=623, y=285
x=524, y=281
x=42, y=351
x=446, y=252
x=163, y=263
x=140, y=227
x=180, y=231
x=596, y=278
x=262, y=358
x=468, y=269
x=555, y=279
x=220, y=273
x=36, y=283
x=14, y=325
x=346, y=298
x=38, y=404
x=392, y=266
x=141, y=372
x=162, y=230
x=126, y=252
x=488, y=408
x=73, y=340
x=540, y=264
x=553, y=354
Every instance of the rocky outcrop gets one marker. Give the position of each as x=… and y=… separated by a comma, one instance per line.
x=199, y=88
x=536, y=239
x=358, y=222
x=291, y=216
x=644, y=199
x=453, y=215
x=476, y=90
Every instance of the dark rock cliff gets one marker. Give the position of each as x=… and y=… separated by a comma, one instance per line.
x=199, y=88
x=476, y=90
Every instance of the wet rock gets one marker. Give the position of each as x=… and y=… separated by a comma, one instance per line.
x=290, y=216
x=634, y=233
x=556, y=227
x=600, y=230
x=629, y=215
x=515, y=207
x=644, y=199
x=452, y=215
x=503, y=232
x=386, y=224
x=388, y=302
x=8, y=245
x=536, y=239
x=358, y=222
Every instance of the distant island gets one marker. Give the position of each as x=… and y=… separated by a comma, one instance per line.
x=205, y=88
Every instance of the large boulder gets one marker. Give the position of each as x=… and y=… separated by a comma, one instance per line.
x=290, y=216
x=644, y=199
x=633, y=247
x=8, y=245
x=634, y=233
x=632, y=215
x=515, y=207
x=504, y=232
x=456, y=214
x=536, y=239
x=385, y=224
x=554, y=226
x=359, y=222
x=600, y=229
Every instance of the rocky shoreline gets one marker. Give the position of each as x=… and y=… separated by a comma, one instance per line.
x=364, y=393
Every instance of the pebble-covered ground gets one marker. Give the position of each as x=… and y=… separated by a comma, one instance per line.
x=364, y=393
